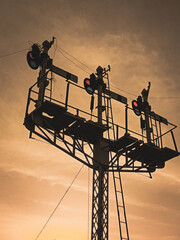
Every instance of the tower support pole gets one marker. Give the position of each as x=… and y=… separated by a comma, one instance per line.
x=100, y=205
x=42, y=74
x=99, y=230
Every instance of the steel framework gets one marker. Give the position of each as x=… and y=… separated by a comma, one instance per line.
x=64, y=127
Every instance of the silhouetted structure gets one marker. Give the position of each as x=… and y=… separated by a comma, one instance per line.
x=115, y=148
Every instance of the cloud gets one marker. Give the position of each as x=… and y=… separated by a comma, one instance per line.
x=140, y=40
x=28, y=200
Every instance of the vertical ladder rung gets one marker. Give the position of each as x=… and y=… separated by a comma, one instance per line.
x=117, y=183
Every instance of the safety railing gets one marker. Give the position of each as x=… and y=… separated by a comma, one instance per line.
x=80, y=113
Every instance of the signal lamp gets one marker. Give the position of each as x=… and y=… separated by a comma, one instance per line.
x=32, y=61
x=33, y=57
x=136, y=107
x=88, y=85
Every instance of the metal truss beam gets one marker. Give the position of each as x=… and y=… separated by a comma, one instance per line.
x=100, y=216
x=70, y=147
x=75, y=148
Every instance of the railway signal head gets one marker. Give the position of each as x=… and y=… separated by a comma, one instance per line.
x=33, y=57
x=137, y=106
x=90, y=84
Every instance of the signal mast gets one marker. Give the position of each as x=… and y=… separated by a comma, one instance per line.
x=115, y=148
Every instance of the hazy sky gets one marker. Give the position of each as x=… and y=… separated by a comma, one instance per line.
x=140, y=39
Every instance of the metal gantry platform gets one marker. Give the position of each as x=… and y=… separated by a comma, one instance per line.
x=63, y=127
x=114, y=148
x=55, y=123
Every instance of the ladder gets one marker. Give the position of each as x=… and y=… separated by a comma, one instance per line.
x=48, y=89
x=120, y=204
x=156, y=134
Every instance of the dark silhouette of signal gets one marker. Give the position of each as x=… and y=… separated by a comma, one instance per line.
x=90, y=84
x=33, y=57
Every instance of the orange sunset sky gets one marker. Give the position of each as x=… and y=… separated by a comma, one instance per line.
x=140, y=39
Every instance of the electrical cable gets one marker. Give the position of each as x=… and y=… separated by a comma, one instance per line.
x=163, y=98
x=115, y=87
x=13, y=53
x=76, y=59
x=59, y=202
x=72, y=61
x=136, y=95
x=60, y=50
